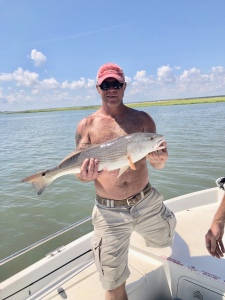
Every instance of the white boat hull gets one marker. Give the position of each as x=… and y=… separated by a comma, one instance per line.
x=184, y=271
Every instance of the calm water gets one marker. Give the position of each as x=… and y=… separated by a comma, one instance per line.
x=33, y=142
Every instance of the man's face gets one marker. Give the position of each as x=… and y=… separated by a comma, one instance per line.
x=111, y=91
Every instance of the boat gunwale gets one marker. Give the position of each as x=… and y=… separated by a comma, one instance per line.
x=44, y=240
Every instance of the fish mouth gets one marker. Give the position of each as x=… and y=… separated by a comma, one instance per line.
x=159, y=146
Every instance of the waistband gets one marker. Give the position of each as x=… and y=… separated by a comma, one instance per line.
x=129, y=202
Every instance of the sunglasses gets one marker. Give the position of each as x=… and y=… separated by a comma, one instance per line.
x=105, y=86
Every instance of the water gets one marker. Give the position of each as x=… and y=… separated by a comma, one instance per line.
x=34, y=142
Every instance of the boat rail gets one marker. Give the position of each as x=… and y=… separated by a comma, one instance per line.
x=48, y=238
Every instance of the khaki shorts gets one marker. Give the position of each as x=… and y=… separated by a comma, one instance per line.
x=113, y=228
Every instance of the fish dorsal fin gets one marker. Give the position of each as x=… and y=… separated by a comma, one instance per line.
x=70, y=155
x=122, y=170
x=77, y=152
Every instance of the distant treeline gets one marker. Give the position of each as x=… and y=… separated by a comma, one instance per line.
x=184, y=101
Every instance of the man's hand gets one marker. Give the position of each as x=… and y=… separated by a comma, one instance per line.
x=213, y=240
x=89, y=170
x=158, y=158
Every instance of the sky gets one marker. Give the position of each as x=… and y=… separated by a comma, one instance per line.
x=51, y=50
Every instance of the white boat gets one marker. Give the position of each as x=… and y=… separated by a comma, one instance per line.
x=184, y=271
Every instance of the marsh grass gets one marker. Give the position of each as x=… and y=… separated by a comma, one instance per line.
x=185, y=101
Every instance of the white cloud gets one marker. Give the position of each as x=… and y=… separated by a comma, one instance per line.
x=78, y=84
x=141, y=77
x=140, y=84
x=21, y=77
x=90, y=83
x=34, y=91
x=165, y=74
x=6, y=77
x=128, y=79
x=50, y=83
x=190, y=75
x=37, y=57
x=218, y=75
x=29, y=79
x=1, y=93
x=218, y=69
x=193, y=81
x=169, y=85
x=18, y=97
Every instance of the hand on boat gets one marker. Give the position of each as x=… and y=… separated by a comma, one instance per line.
x=213, y=240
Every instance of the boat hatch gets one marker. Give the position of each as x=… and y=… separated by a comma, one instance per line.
x=191, y=289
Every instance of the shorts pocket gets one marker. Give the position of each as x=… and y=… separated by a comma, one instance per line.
x=170, y=219
x=96, y=243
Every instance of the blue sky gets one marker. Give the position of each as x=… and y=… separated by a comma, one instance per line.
x=51, y=50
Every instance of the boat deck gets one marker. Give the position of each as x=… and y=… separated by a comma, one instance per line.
x=184, y=271
x=168, y=270
x=86, y=285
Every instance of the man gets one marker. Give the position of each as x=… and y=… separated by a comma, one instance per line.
x=114, y=218
x=214, y=236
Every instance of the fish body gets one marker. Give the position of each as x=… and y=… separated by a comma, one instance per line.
x=120, y=153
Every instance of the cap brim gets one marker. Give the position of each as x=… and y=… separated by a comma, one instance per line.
x=117, y=77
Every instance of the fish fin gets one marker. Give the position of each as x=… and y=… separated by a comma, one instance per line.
x=122, y=170
x=131, y=164
x=70, y=155
x=39, y=181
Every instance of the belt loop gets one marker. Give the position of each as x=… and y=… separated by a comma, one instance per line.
x=108, y=203
x=112, y=203
x=142, y=194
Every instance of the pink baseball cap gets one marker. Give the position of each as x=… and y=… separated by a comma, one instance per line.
x=110, y=70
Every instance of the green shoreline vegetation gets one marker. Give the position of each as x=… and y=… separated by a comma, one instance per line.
x=185, y=101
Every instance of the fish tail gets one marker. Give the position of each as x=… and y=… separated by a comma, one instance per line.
x=39, y=181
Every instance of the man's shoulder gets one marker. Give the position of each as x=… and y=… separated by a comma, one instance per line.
x=139, y=113
x=145, y=119
x=88, y=122
x=88, y=119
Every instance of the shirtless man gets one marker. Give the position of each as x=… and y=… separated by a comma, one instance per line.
x=115, y=217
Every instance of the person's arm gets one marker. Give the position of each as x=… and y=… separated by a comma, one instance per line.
x=213, y=238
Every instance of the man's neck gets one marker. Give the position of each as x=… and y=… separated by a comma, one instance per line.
x=113, y=110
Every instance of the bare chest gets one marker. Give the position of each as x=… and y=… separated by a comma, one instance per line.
x=110, y=128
